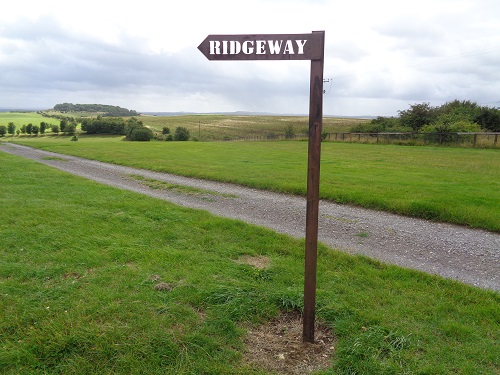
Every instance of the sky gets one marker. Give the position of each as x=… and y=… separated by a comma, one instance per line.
x=380, y=56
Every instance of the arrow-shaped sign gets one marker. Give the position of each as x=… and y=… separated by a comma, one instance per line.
x=263, y=47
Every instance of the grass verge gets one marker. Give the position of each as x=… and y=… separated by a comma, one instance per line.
x=80, y=262
x=162, y=185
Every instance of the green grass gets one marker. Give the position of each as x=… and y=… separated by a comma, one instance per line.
x=24, y=118
x=456, y=185
x=79, y=262
x=188, y=190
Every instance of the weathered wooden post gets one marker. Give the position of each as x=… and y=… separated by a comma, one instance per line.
x=313, y=170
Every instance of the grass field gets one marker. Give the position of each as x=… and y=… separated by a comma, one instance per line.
x=80, y=261
x=456, y=185
x=219, y=127
x=24, y=118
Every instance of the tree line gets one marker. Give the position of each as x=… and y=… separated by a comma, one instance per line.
x=452, y=117
x=133, y=129
x=105, y=110
x=29, y=129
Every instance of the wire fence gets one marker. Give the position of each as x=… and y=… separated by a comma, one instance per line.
x=459, y=139
x=488, y=140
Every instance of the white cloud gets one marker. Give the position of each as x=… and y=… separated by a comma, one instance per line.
x=382, y=55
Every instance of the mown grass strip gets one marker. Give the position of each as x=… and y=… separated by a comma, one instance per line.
x=79, y=263
x=455, y=185
x=162, y=185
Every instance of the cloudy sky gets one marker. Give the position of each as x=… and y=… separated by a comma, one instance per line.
x=381, y=56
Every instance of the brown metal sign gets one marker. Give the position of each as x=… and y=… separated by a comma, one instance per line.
x=263, y=47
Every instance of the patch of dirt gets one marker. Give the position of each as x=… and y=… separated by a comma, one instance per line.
x=260, y=262
x=277, y=347
x=164, y=286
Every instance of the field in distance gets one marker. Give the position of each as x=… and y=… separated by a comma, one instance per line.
x=220, y=127
x=206, y=127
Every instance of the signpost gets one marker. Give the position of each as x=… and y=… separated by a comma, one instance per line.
x=290, y=47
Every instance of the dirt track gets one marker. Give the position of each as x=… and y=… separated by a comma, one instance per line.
x=471, y=256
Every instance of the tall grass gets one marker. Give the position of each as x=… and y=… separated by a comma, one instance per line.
x=80, y=262
x=455, y=185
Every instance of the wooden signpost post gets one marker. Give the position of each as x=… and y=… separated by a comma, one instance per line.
x=290, y=47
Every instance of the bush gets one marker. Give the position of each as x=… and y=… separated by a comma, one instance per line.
x=381, y=124
x=289, y=132
x=181, y=134
x=461, y=126
x=141, y=134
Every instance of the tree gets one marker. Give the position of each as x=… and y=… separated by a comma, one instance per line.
x=107, y=110
x=29, y=128
x=23, y=129
x=70, y=128
x=105, y=125
x=165, y=130
x=11, y=128
x=131, y=125
x=417, y=116
x=43, y=126
x=3, y=130
x=62, y=125
x=35, y=130
x=55, y=128
x=489, y=119
x=464, y=110
x=181, y=134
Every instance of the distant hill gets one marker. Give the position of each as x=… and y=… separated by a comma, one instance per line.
x=106, y=110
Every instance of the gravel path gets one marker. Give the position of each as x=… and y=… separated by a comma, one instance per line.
x=471, y=256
